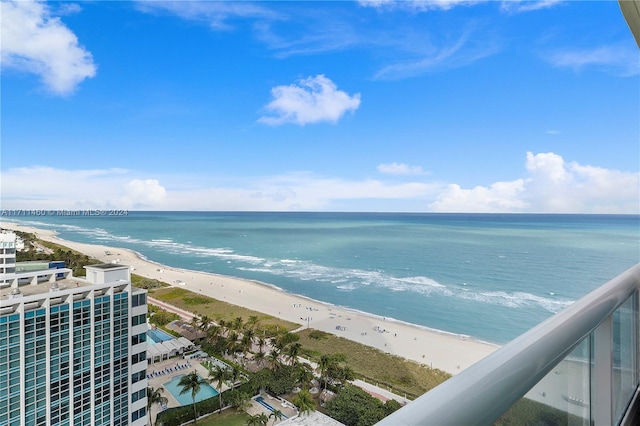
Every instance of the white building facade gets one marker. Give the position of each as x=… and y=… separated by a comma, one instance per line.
x=7, y=255
x=73, y=352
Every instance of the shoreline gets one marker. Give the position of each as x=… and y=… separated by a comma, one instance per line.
x=440, y=349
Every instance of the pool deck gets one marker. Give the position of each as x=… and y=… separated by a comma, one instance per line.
x=257, y=408
x=159, y=381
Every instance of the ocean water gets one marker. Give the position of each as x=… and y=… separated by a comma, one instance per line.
x=490, y=277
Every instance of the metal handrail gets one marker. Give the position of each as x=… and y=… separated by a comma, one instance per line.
x=480, y=394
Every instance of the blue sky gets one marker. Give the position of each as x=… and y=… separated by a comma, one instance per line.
x=453, y=106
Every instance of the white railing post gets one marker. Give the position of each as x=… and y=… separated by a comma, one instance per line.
x=602, y=380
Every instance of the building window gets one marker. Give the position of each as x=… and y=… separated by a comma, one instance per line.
x=138, y=338
x=138, y=300
x=138, y=414
x=138, y=319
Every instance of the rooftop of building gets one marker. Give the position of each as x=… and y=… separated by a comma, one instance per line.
x=107, y=266
x=45, y=287
x=39, y=282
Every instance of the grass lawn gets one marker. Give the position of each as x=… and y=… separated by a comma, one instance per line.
x=227, y=418
x=216, y=309
x=375, y=366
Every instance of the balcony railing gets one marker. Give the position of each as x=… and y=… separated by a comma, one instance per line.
x=579, y=367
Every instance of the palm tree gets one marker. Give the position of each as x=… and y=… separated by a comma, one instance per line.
x=237, y=323
x=205, y=323
x=346, y=374
x=304, y=402
x=277, y=415
x=192, y=383
x=249, y=334
x=219, y=375
x=154, y=396
x=245, y=343
x=261, y=343
x=214, y=333
x=258, y=420
x=273, y=359
x=232, y=342
x=259, y=358
x=292, y=353
x=234, y=374
x=324, y=364
x=304, y=374
x=283, y=339
x=253, y=322
x=240, y=400
x=195, y=323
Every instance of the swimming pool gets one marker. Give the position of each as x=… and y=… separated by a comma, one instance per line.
x=155, y=336
x=206, y=391
x=261, y=400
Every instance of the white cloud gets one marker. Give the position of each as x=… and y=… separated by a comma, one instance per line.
x=139, y=193
x=499, y=197
x=311, y=100
x=512, y=6
x=516, y=6
x=51, y=188
x=35, y=42
x=216, y=14
x=623, y=61
x=301, y=191
x=400, y=169
x=467, y=49
x=68, y=9
x=551, y=186
x=418, y=5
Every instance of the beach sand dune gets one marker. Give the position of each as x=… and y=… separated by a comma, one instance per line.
x=448, y=352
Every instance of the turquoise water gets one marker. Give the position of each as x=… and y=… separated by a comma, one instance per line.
x=490, y=276
x=155, y=336
x=206, y=391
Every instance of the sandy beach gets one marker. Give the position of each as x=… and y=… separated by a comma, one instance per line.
x=447, y=352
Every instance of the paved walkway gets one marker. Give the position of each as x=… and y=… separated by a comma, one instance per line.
x=379, y=392
x=185, y=315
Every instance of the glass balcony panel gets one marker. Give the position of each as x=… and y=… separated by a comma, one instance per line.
x=560, y=398
x=624, y=375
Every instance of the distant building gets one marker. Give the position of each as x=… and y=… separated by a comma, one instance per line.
x=72, y=351
x=7, y=255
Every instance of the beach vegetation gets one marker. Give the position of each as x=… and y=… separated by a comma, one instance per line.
x=277, y=382
x=353, y=406
x=318, y=335
x=263, y=324
x=159, y=316
x=304, y=402
x=374, y=366
x=146, y=283
x=196, y=300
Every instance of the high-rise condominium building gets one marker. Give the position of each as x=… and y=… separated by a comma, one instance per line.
x=72, y=351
